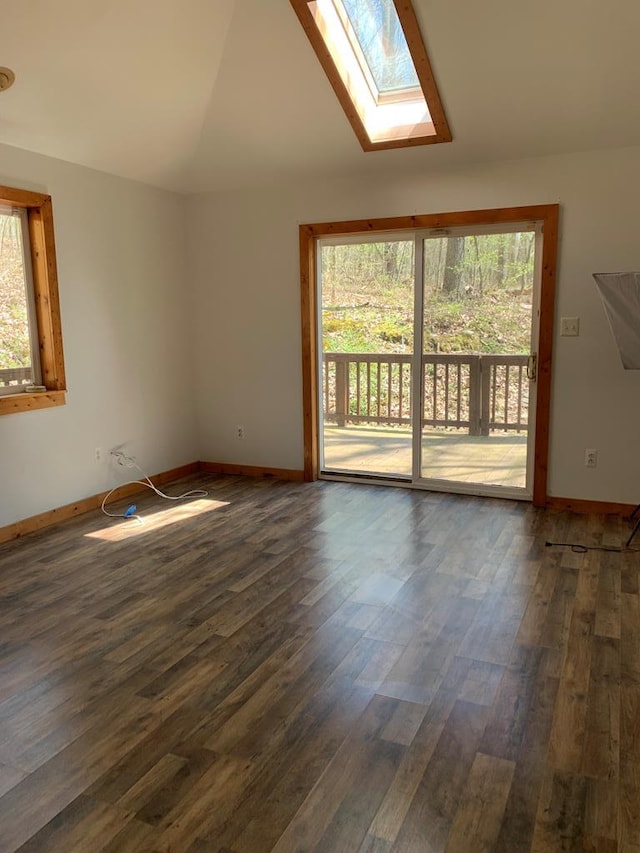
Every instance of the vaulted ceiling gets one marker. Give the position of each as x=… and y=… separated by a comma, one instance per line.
x=198, y=95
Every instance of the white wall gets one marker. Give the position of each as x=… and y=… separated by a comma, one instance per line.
x=124, y=297
x=244, y=250
x=173, y=378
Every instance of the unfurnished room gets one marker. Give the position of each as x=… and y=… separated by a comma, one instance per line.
x=319, y=407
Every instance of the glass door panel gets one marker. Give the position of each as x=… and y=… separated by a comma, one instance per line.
x=366, y=331
x=477, y=303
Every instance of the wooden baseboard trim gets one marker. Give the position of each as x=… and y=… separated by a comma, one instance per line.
x=293, y=474
x=597, y=507
x=55, y=516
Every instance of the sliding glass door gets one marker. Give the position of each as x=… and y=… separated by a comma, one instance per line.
x=428, y=357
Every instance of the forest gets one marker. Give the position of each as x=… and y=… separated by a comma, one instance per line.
x=14, y=324
x=477, y=294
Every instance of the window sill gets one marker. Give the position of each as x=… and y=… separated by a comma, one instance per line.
x=23, y=402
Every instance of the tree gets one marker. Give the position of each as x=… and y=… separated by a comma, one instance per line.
x=14, y=324
x=453, y=265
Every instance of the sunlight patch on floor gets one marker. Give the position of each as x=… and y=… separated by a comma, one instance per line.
x=121, y=528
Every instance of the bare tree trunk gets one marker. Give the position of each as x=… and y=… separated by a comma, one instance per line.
x=329, y=270
x=453, y=265
x=478, y=264
x=440, y=245
x=391, y=260
x=526, y=261
x=500, y=262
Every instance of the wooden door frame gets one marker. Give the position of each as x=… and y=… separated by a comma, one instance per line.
x=547, y=215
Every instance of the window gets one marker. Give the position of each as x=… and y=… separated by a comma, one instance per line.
x=374, y=56
x=30, y=330
x=19, y=350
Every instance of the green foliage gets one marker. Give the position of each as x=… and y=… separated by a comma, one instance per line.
x=394, y=328
x=351, y=334
x=368, y=295
x=14, y=324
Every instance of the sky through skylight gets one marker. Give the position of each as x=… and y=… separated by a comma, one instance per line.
x=381, y=39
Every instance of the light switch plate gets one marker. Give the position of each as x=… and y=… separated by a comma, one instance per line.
x=570, y=326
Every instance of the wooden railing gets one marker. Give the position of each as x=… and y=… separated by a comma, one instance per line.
x=15, y=376
x=479, y=393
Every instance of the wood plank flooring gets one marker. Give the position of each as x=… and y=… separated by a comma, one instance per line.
x=327, y=667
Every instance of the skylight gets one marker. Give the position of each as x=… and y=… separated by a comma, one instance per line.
x=379, y=35
x=373, y=54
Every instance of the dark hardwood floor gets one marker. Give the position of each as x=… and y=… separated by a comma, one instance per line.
x=328, y=667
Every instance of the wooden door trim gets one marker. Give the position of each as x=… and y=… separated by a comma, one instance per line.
x=546, y=214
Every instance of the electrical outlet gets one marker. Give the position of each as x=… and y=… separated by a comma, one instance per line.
x=98, y=454
x=591, y=458
x=240, y=431
x=120, y=458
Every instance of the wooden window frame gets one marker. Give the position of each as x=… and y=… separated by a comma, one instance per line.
x=418, y=51
x=546, y=214
x=45, y=288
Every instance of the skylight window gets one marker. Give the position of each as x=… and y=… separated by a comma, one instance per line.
x=379, y=35
x=373, y=54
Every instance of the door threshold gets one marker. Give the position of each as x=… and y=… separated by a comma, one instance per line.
x=370, y=479
x=443, y=486
x=370, y=476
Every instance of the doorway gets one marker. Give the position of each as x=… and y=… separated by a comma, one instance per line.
x=366, y=287
x=430, y=340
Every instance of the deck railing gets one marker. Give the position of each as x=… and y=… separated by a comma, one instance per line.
x=15, y=376
x=479, y=393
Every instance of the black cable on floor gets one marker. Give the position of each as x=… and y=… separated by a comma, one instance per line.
x=577, y=548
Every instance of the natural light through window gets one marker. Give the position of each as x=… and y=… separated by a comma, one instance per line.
x=374, y=70
x=32, y=374
x=126, y=528
x=19, y=362
x=374, y=30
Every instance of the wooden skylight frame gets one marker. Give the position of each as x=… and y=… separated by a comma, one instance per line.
x=426, y=132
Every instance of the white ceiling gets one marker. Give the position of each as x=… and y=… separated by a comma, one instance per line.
x=197, y=95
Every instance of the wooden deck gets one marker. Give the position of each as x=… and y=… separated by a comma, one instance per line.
x=496, y=459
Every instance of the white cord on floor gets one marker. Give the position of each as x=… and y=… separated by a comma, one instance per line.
x=130, y=512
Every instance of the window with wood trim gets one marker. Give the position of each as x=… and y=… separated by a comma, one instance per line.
x=374, y=55
x=31, y=357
